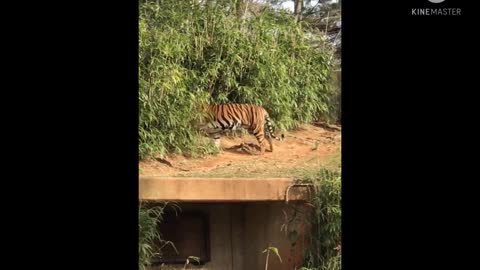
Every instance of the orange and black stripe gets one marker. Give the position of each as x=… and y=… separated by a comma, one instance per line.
x=249, y=116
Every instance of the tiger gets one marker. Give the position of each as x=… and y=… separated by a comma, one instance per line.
x=232, y=116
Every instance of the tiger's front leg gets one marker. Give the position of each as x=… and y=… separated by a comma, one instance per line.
x=215, y=139
x=252, y=149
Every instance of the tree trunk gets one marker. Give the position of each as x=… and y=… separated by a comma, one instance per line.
x=240, y=8
x=298, y=10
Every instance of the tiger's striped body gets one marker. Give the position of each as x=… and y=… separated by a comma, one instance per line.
x=248, y=116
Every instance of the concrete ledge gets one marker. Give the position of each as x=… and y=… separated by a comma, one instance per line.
x=220, y=189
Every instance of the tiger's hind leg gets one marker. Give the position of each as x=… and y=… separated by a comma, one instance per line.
x=261, y=140
x=270, y=142
x=268, y=136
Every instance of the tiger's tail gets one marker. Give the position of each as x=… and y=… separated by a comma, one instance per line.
x=270, y=129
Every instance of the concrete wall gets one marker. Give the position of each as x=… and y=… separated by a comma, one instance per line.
x=156, y=188
x=239, y=232
x=264, y=228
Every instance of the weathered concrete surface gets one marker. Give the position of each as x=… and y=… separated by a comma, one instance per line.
x=278, y=225
x=246, y=215
x=239, y=232
x=219, y=189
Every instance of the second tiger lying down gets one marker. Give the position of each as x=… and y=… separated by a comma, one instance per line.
x=254, y=118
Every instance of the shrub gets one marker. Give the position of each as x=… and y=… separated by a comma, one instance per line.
x=191, y=54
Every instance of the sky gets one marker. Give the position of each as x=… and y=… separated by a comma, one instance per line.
x=290, y=4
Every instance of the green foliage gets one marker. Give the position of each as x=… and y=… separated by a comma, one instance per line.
x=191, y=258
x=192, y=54
x=150, y=241
x=324, y=251
x=275, y=251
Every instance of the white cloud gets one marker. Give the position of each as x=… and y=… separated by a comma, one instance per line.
x=288, y=5
x=291, y=4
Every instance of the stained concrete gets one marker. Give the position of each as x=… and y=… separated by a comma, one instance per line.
x=246, y=216
x=191, y=189
x=240, y=232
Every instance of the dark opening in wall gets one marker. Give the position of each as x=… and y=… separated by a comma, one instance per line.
x=190, y=233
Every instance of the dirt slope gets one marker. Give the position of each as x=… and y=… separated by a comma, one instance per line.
x=307, y=148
